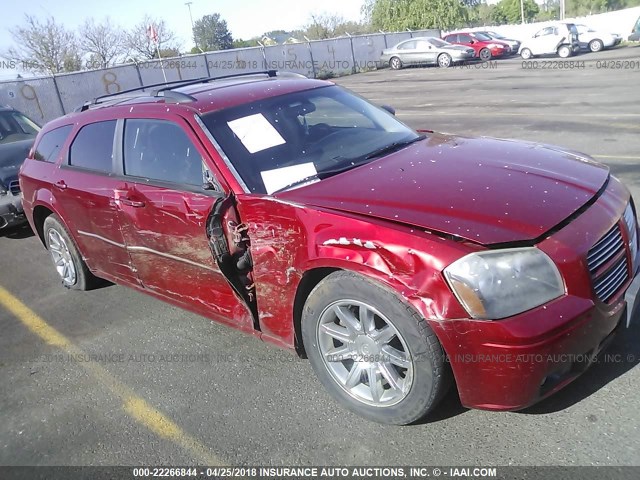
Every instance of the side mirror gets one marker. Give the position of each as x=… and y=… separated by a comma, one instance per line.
x=208, y=181
x=389, y=109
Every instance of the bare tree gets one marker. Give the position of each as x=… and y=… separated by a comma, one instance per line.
x=322, y=25
x=44, y=47
x=142, y=46
x=103, y=42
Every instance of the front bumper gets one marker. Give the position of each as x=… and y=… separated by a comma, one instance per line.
x=494, y=374
x=513, y=363
x=11, y=211
x=500, y=52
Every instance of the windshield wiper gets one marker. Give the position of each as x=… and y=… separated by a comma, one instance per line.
x=297, y=182
x=392, y=147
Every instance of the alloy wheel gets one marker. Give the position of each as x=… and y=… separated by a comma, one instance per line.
x=364, y=353
x=62, y=257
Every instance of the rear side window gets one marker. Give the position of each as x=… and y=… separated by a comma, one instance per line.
x=93, y=146
x=50, y=144
x=161, y=150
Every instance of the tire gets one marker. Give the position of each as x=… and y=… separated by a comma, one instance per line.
x=596, y=45
x=444, y=60
x=564, y=51
x=346, y=305
x=64, y=254
x=485, y=54
x=395, y=63
x=526, y=54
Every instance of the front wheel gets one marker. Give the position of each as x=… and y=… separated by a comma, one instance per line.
x=485, y=54
x=395, y=63
x=444, y=60
x=526, y=54
x=67, y=260
x=372, y=352
x=564, y=51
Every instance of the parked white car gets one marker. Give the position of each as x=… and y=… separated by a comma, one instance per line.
x=558, y=39
x=595, y=40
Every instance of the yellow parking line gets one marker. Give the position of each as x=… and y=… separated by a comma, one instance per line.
x=136, y=407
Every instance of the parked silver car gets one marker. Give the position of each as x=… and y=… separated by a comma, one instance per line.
x=425, y=51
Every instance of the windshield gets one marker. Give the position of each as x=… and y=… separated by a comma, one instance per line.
x=436, y=42
x=277, y=142
x=14, y=126
x=481, y=36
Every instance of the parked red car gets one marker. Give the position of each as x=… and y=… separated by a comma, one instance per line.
x=484, y=46
x=298, y=212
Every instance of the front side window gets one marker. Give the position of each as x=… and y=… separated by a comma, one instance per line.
x=93, y=147
x=276, y=142
x=51, y=143
x=161, y=150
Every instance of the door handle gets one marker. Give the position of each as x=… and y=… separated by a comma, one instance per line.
x=131, y=203
x=61, y=184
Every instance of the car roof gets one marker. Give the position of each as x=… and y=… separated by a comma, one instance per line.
x=199, y=96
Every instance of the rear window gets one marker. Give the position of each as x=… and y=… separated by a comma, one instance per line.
x=14, y=127
x=93, y=147
x=50, y=144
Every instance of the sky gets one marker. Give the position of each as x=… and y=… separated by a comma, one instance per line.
x=245, y=18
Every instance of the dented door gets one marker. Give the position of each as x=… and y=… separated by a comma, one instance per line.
x=164, y=213
x=165, y=231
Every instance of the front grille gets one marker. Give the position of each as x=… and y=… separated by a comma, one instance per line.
x=607, y=280
x=14, y=187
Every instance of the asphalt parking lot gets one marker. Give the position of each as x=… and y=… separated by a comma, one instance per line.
x=168, y=387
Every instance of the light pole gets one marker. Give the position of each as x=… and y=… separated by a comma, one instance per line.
x=522, y=10
x=188, y=4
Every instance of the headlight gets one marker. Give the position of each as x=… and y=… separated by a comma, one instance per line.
x=632, y=230
x=3, y=191
x=499, y=283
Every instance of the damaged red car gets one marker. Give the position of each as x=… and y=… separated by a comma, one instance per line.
x=400, y=263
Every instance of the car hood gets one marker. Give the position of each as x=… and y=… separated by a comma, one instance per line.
x=11, y=157
x=482, y=189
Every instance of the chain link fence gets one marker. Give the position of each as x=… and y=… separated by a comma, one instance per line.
x=45, y=98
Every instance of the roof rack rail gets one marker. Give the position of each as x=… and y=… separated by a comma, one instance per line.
x=97, y=100
x=166, y=89
x=270, y=73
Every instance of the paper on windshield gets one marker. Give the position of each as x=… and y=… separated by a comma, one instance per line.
x=256, y=133
x=281, y=177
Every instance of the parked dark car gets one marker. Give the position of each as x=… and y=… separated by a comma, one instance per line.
x=513, y=44
x=484, y=46
x=399, y=262
x=635, y=33
x=17, y=133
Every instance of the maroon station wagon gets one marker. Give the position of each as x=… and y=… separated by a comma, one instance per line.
x=399, y=262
